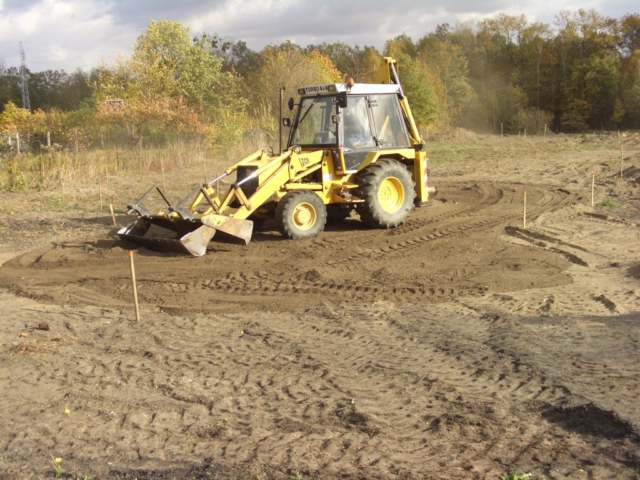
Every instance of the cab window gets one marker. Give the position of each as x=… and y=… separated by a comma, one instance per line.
x=390, y=128
x=314, y=125
x=357, y=128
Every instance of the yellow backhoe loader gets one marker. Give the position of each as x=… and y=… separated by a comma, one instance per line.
x=350, y=146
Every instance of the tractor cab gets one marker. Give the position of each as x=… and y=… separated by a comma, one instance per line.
x=352, y=121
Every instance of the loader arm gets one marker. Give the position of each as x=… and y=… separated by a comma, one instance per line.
x=272, y=175
x=188, y=226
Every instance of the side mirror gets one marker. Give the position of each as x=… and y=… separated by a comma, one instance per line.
x=286, y=122
x=334, y=119
x=290, y=103
x=342, y=99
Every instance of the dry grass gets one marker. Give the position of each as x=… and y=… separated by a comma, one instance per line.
x=53, y=170
x=94, y=179
x=62, y=170
x=48, y=345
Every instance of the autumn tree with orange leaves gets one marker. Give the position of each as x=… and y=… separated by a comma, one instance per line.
x=171, y=86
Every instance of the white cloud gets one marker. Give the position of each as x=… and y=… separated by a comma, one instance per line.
x=61, y=34
x=77, y=33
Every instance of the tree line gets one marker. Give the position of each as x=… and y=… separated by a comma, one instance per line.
x=582, y=72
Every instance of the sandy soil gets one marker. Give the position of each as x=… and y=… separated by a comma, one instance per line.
x=460, y=345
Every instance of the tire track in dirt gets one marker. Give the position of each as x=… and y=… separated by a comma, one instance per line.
x=592, y=257
x=540, y=205
x=267, y=285
x=488, y=196
x=239, y=283
x=268, y=394
x=304, y=271
x=338, y=389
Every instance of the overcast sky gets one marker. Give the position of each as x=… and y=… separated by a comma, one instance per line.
x=70, y=34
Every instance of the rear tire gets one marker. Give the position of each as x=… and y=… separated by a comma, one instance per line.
x=388, y=192
x=301, y=214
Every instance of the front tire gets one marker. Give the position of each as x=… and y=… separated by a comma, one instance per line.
x=301, y=214
x=388, y=192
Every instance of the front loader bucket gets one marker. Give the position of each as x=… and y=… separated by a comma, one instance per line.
x=235, y=227
x=190, y=237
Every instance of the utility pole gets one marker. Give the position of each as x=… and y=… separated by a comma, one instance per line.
x=26, y=103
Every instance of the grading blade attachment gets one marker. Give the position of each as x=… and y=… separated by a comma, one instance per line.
x=190, y=237
x=235, y=227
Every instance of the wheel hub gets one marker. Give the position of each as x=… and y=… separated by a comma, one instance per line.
x=391, y=194
x=304, y=216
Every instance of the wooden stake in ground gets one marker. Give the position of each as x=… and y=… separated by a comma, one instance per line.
x=593, y=181
x=100, y=191
x=621, y=159
x=501, y=129
x=113, y=217
x=524, y=211
x=135, y=288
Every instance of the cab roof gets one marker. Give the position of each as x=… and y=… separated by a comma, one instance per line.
x=356, y=89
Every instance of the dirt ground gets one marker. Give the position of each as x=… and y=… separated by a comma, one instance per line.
x=460, y=345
